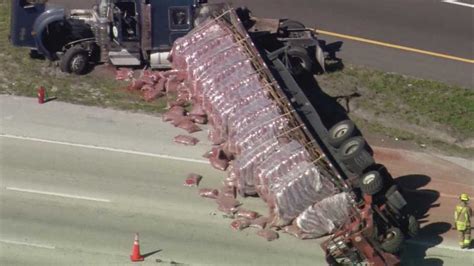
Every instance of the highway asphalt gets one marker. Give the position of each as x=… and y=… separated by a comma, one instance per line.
x=77, y=182
x=429, y=25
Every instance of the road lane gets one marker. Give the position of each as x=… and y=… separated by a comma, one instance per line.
x=421, y=24
x=146, y=195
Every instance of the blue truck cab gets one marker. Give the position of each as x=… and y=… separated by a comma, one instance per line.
x=141, y=32
x=124, y=32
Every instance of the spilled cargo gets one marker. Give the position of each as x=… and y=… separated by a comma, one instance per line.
x=272, y=143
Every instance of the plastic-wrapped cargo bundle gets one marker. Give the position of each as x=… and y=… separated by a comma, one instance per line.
x=245, y=164
x=250, y=126
x=325, y=216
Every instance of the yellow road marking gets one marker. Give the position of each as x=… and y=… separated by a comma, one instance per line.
x=399, y=47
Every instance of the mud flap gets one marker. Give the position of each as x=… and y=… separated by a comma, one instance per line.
x=320, y=57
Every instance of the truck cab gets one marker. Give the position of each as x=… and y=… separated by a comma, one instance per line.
x=146, y=30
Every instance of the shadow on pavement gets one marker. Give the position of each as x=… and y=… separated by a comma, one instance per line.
x=413, y=181
x=414, y=251
x=151, y=253
x=420, y=201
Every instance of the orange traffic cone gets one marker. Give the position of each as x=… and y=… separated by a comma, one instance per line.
x=136, y=256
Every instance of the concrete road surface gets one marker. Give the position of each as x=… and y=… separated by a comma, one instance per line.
x=77, y=183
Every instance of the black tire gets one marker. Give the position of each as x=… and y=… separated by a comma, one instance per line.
x=340, y=132
x=75, y=60
x=298, y=60
x=413, y=226
x=371, y=183
x=393, y=241
x=287, y=26
x=353, y=153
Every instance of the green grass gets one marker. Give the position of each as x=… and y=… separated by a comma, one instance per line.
x=21, y=75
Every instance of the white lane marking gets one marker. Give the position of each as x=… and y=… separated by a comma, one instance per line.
x=95, y=147
x=456, y=2
x=55, y=194
x=432, y=245
x=26, y=244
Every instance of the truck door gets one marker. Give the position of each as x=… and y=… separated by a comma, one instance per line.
x=125, y=49
x=23, y=16
x=171, y=19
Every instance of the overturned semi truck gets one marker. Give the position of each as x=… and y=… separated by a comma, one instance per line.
x=315, y=181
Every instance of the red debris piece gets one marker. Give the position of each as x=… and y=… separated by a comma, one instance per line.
x=150, y=77
x=186, y=140
x=227, y=204
x=198, y=119
x=172, y=84
x=154, y=91
x=240, y=224
x=268, y=234
x=124, y=74
x=135, y=85
x=218, y=159
x=259, y=223
x=248, y=214
x=192, y=180
x=228, y=191
x=173, y=113
x=188, y=125
x=197, y=110
x=210, y=193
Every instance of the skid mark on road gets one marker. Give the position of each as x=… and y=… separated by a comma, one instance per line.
x=48, y=193
x=394, y=46
x=95, y=147
x=12, y=242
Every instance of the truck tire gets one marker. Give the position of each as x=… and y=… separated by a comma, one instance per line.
x=371, y=183
x=298, y=60
x=413, y=226
x=393, y=241
x=340, y=132
x=75, y=60
x=287, y=25
x=355, y=156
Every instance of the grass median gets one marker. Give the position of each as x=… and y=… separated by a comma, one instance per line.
x=21, y=75
x=426, y=112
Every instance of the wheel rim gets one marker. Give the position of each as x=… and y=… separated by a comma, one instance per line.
x=78, y=63
x=368, y=179
x=351, y=147
x=340, y=131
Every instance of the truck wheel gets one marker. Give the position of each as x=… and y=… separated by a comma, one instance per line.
x=298, y=60
x=340, y=132
x=355, y=156
x=413, y=226
x=75, y=60
x=286, y=26
x=371, y=183
x=393, y=241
